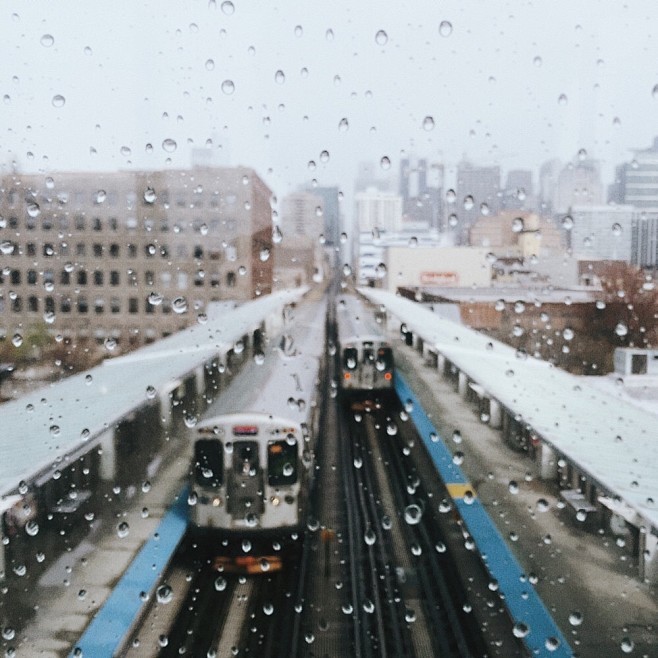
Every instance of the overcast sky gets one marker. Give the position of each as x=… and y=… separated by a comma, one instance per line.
x=133, y=73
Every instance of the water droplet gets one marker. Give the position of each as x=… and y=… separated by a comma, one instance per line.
x=164, y=594
x=32, y=528
x=370, y=538
x=385, y=163
x=616, y=230
x=47, y=40
x=513, y=487
x=412, y=514
x=190, y=420
x=264, y=254
x=343, y=125
x=542, y=505
x=279, y=77
x=517, y=225
x=567, y=222
x=621, y=329
x=228, y=87
x=58, y=100
x=227, y=7
x=428, y=123
x=520, y=630
x=445, y=28
x=268, y=609
x=568, y=333
x=582, y=154
x=210, y=64
x=123, y=529
x=125, y=151
x=179, y=305
x=537, y=61
x=381, y=38
x=562, y=99
x=277, y=236
x=299, y=31
x=458, y=458
x=149, y=195
x=7, y=247
x=155, y=299
x=169, y=145
x=55, y=430
x=468, y=202
x=33, y=209
x=575, y=618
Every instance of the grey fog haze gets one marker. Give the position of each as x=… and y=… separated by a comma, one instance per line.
x=272, y=85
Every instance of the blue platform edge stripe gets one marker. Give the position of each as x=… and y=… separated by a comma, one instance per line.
x=112, y=622
x=521, y=599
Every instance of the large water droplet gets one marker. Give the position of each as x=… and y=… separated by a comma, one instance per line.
x=412, y=514
x=169, y=145
x=445, y=28
x=164, y=594
x=428, y=123
x=279, y=77
x=228, y=87
x=58, y=100
x=381, y=38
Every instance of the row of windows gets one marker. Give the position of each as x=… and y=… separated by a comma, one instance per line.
x=81, y=278
x=99, y=224
x=111, y=198
x=82, y=305
x=98, y=250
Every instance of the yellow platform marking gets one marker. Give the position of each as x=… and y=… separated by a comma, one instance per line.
x=459, y=489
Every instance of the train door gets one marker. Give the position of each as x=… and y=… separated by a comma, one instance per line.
x=368, y=366
x=245, y=481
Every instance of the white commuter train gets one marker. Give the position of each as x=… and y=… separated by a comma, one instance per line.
x=254, y=449
x=366, y=355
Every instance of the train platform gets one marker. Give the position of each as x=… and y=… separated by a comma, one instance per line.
x=588, y=581
x=75, y=588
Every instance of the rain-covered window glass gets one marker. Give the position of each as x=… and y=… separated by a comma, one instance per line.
x=281, y=463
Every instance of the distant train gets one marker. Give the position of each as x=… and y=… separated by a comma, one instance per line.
x=366, y=356
x=254, y=450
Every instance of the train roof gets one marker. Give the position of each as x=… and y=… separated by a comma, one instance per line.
x=284, y=384
x=356, y=321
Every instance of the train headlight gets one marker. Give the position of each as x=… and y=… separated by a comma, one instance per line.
x=217, y=501
x=275, y=500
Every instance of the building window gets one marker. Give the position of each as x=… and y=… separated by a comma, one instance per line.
x=65, y=278
x=65, y=305
x=50, y=305
x=132, y=278
x=149, y=277
x=48, y=276
x=80, y=249
x=48, y=250
x=80, y=223
x=114, y=278
x=17, y=304
x=97, y=224
x=164, y=251
x=33, y=304
x=165, y=279
x=148, y=307
x=98, y=250
x=83, y=306
x=132, y=251
x=13, y=222
x=32, y=277
x=99, y=305
x=47, y=223
x=15, y=277
x=82, y=278
x=230, y=279
x=31, y=249
x=214, y=281
x=98, y=278
x=182, y=281
x=198, y=251
x=63, y=223
x=31, y=223
x=149, y=250
x=114, y=224
x=115, y=305
x=133, y=305
x=114, y=250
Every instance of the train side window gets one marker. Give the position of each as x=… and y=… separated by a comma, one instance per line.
x=350, y=358
x=281, y=463
x=209, y=463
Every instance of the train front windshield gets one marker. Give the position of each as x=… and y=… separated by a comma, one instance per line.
x=209, y=463
x=282, y=463
x=350, y=358
x=384, y=359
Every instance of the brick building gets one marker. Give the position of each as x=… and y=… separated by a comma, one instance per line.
x=131, y=256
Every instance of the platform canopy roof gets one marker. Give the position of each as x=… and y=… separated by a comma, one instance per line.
x=611, y=440
x=41, y=430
